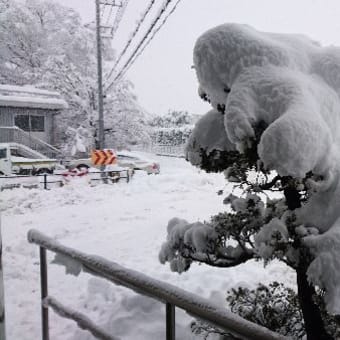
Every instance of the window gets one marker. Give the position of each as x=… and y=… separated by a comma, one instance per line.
x=3, y=153
x=30, y=123
x=37, y=123
x=22, y=122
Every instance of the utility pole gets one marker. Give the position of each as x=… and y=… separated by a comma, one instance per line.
x=2, y=294
x=99, y=27
x=101, y=137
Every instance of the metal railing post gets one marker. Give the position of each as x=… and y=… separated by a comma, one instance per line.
x=44, y=293
x=45, y=181
x=170, y=321
x=172, y=296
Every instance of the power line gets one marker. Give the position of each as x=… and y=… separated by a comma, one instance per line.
x=109, y=29
x=166, y=4
x=118, y=17
x=127, y=45
x=147, y=43
x=102, y=14
x=109, y=15
x=163, y=9
x=105, y=3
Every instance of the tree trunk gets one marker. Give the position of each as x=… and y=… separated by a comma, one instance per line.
x=314, y=325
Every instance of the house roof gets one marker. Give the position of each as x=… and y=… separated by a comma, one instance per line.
x=31, y=97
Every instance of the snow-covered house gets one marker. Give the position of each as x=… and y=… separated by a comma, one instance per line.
x=27, y=117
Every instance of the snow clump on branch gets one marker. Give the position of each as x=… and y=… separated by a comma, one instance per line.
x=283, y=82
x=276, y=106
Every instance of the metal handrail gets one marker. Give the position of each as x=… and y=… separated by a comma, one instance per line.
x=170, y=295
x=15, y=134
x=105, y=175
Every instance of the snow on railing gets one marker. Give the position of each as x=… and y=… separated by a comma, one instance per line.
x=13, y=134
x=82, y=321
x=170, y=295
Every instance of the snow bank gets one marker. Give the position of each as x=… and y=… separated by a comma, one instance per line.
x=108, y=220
x=279, y=93
x=120, y=307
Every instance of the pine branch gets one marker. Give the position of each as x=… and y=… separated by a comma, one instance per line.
x=269, y=185
x=220, y=260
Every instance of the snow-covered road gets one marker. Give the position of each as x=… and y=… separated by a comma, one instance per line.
x=125, y=223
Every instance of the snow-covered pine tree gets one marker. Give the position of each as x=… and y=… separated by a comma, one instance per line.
x=275, y=112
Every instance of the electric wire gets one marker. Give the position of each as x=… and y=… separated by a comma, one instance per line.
x=108, y=19
x=102, y=14
x=132, y=36
x=118, y=17
x=153, y=24
x=140, y=43
x=121, y=74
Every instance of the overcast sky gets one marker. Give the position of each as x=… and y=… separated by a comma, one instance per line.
x=162, y=75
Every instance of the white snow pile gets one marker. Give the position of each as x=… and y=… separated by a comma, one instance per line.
x=120, y=307
x=119, y=222
x=290, y=86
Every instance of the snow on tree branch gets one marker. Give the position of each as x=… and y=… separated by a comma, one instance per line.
x=226, y=241
x=290, y=85
x=276, y=107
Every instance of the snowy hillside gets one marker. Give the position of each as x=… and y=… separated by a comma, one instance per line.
x=125, y=223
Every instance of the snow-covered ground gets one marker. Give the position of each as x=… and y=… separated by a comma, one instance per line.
x=125, y=223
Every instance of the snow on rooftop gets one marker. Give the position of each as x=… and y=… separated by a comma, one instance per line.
x=29, y=96
x=27, y=89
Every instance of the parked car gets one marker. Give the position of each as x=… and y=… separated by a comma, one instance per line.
x=137, y=161
x=125, y=159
